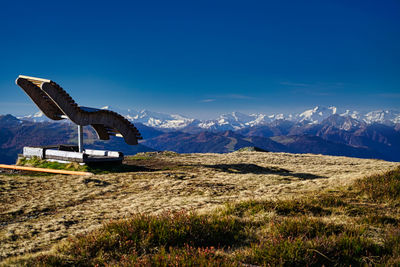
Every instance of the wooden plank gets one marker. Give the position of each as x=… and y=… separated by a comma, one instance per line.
x=24, y=168
x=34, y=78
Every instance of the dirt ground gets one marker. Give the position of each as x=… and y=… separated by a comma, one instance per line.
x=38, y=211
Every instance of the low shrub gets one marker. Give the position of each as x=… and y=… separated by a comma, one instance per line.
x=305, y=227
x=144, y=234
x=185, y=256
x=382, y=187
x=378, y=220
x=290, y=207
x=312, y=242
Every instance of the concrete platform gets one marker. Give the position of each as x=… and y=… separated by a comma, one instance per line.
x=66, y=153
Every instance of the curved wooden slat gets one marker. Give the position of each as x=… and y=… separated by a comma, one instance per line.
x=40, y=99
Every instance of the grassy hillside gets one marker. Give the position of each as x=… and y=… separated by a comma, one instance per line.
x=208, y=209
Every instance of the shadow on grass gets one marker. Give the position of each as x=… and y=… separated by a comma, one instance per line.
x=242, y=168
x=121, y=168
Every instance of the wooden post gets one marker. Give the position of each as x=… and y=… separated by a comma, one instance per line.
x=25, y=168
x=80, y=138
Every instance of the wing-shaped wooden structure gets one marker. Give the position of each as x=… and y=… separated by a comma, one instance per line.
x=57, y=104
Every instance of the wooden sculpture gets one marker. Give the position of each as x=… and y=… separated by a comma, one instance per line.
x=57, y=104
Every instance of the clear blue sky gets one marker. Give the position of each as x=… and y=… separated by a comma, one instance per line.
x=200, y=58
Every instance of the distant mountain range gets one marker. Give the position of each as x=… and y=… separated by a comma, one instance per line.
x=321, y=130
x=236, y=120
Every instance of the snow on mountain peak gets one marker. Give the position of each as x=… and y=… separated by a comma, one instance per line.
x=36, y=117
x=317, y=114
x=382, y=116
x=334, y=109
x=38, y=114
x=161, y=120
x=353, y=114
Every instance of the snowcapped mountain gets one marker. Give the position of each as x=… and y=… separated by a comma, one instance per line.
x=160, y=120
x=342, y=122
x=351, y=113
x=37, y=117
x=317, y=114
x=234, y=121
x=382, y=116
x=155, y=119
x=345, y=119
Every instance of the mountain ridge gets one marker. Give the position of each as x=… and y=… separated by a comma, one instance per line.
x=237, y=120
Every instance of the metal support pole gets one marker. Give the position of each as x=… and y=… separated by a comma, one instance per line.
x=80, y=138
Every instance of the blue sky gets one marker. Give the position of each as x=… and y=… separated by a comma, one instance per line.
x=200, y=58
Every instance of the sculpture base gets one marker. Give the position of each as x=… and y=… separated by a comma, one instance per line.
x=68, y=153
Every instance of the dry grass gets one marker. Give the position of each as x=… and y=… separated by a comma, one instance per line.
x=38, y=211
